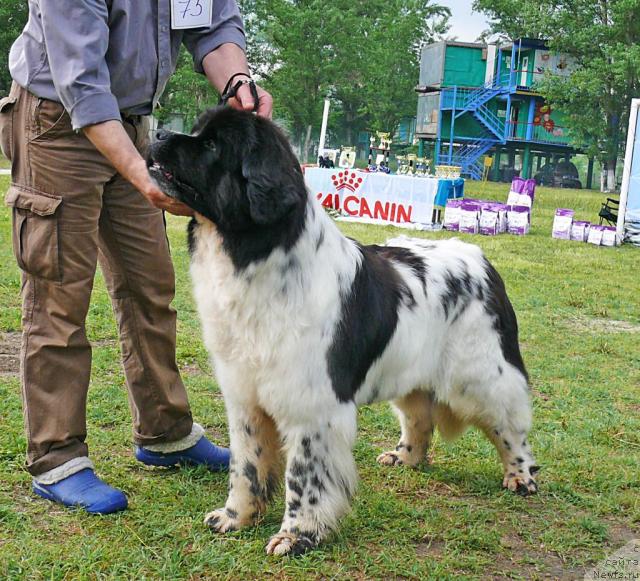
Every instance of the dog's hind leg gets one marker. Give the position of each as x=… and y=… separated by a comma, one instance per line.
x=415, y=412
x=320, y=479
x=254, y=471
x=517, y=459
x=501, y=408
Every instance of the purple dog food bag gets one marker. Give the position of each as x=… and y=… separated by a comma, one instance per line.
x=502, y=220
x=489, y=224
x=518, y=219
x=517, y=188
x=595, y=234
x=579, y=230
x=609, y=236
x=469, y=211
x=452, y=215
x=530, y=191
x=562, y=224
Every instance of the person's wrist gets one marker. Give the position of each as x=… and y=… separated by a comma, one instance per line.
x=136, y=172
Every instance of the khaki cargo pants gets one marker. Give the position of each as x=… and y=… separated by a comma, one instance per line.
x=70, y=210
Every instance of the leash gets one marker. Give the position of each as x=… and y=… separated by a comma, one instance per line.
x=230, y=90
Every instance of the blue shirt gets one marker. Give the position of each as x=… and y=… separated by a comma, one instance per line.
x=101, y=57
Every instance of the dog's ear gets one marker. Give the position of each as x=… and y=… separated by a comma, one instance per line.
x=274, y=181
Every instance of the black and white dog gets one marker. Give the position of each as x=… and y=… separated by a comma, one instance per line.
x=303, y=325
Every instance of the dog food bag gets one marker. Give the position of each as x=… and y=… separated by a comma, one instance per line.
x=595, y=234
x=469, y=211
x=579, y=231
x=517, y=188
x=502, y=217
x=562, y=224
x=518, y=220
x=609, y=236
x=452, y=215
x=530, y=190
x=489, y=220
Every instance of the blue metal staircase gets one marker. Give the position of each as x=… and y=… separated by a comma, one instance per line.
x=474, y=102
x=468, y=156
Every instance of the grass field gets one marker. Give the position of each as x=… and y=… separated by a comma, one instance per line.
x=580, y=330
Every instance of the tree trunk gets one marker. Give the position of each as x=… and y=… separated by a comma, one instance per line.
x=307, y=141
x=610, y=176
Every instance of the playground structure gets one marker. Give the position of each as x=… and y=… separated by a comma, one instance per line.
x=477, y=100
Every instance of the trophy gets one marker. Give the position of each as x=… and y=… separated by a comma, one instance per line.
x=403, y=165
x=411, y=158
x=382, y=152
x=422, y=167
x=347, y=157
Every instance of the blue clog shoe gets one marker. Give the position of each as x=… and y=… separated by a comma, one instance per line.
x=204, y=453
x=83, y=490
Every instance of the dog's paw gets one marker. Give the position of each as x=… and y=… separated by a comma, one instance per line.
x=285, y=543
x=222, y=520
x=391, y=458
x=520, y=484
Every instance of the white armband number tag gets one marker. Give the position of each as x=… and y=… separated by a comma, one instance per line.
x=191, y=13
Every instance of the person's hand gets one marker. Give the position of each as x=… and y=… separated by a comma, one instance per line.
x=244, y=101
x=141, y=179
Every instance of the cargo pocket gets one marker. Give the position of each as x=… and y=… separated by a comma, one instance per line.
x=35, y=231
x=6, y=125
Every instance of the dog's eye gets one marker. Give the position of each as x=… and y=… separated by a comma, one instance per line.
x=210, y=145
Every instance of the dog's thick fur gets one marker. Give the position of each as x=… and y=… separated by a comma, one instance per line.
x=303, y=325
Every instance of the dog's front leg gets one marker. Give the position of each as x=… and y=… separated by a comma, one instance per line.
x=320, y=479
x=254, y=470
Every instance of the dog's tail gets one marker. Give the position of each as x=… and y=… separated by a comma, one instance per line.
x=449, y=424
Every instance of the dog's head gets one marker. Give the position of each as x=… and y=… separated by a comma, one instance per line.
x=238, y=171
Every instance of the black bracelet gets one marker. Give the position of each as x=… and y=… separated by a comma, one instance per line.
x=231, y=91
x=226, y=87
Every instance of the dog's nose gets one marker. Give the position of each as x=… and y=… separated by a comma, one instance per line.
x=161, y=134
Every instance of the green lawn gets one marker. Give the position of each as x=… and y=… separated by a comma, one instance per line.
x=448, y=521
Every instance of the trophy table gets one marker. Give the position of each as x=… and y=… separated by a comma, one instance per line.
x=382, y=152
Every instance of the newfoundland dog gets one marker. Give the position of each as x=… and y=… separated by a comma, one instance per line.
x=303, y=325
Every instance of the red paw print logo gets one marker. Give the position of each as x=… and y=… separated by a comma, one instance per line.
x=346, y=179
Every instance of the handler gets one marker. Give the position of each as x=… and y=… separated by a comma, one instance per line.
x=75, y=127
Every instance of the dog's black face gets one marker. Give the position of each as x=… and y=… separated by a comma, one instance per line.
x=238, y=171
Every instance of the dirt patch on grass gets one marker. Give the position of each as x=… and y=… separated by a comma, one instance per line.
x=597, y=325
x=429, y=547
x=10, y=353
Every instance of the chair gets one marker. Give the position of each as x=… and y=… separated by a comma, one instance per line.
x=609, y=212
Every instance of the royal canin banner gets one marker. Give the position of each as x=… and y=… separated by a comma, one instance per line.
x=375, y=197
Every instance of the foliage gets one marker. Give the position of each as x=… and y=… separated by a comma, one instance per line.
x=449, y=520
x=13, y=17
x=603, y=36
x=365, y=58
x=187, y=92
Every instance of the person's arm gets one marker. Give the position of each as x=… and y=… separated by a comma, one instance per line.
x=223, y=62
x=219, y=52
x=112, y=141
x=77, y=38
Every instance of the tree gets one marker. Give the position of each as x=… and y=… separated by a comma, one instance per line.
x=364, y=57
x=187, y=92
x=603, y=37
x=13, y=16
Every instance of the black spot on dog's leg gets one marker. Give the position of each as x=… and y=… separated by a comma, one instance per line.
x=294, y=486
x=306, y=447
